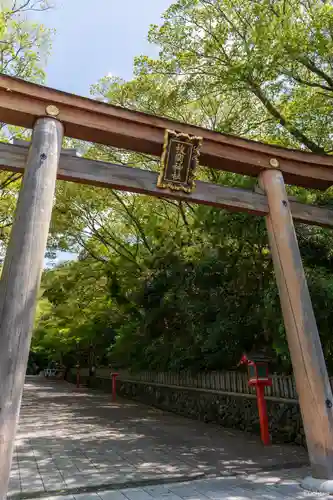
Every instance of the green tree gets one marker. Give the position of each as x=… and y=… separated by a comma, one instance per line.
x=24, y=47
x=188, y=286
x=74, y=308
x=272, y=57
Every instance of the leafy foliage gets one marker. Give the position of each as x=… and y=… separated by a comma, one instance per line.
x=23, y=50
x=166, y=285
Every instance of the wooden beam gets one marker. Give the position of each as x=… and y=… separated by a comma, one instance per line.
x=312, y=382
x=20, y=279
x=96, y=173
x=64, y=151
x=22, y=102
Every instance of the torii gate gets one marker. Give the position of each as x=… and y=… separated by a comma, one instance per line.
x=49, y=113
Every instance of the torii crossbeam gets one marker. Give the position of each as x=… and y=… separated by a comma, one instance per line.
x=52, y=114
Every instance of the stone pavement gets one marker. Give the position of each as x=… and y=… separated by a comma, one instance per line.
x=241, y=488
x=78, y=444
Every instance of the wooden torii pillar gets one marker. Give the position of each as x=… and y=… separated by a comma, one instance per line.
x=21, y=278
x=312, y=382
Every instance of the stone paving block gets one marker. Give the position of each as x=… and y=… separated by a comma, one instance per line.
x=235, y=495
x=76, y=480
x=28, y=476
x=88, y=470
x=112, y=495
x=266, y=495
x=172, y=496
x=137, y=494
x=14, y=473
x=45, y=461
x=32, y=486
x=24, y=463
x=81, y=481
x=187, y=492
x=27, y=465
x=265, y=491
x=14, y=485
x=159, y=490
x=53, y=474
x=189, y=489
x=81, y=460
x=26, y=455
x=93, y=479
x=14, y=492
x=53, y=479
x=215, y=484
x=64, y=463
x=61, y=497
x=55, y=486
x=69, y=472
x=222, y=490
x=111, y=462
x=32, y=468
x=120, y=468
x=45, y=470
x=87, y=496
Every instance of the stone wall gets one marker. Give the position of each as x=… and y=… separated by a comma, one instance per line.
x=232, y=410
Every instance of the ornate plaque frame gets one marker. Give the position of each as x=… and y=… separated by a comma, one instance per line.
x=178, y=162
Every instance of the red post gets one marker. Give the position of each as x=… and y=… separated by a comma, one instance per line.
x=77, y=376
x=114, y=385
x=263, y=417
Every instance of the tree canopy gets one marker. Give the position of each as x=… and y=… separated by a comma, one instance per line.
x=24, y=47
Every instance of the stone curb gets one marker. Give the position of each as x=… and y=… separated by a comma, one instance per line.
x=320, y=485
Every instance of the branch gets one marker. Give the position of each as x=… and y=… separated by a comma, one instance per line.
x=134, y=219
x=20, y=7
x=312, y=146
x=9, y=180
x=25, y=7
x=113, y=243
x=81, y=242
x=307, y=83
x=310, y=65
x=232, y=24
x=8, y=224
x=183, y=215
x=115, y=246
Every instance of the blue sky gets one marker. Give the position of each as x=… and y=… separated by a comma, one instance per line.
x=97, y=37
x=94, y=38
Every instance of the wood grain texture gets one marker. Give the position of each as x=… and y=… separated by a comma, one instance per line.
x=96, y=173
x=312, y=382
x=21, y=277
x=21, y=103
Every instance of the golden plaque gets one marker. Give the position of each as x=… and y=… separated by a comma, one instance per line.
x=178, y=162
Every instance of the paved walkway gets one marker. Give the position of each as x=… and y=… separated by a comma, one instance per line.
x=78, y=444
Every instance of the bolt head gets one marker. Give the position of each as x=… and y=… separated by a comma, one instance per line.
x=274, y=162
x=52, y=110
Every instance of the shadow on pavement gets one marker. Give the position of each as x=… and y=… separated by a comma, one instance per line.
x=79, y=440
